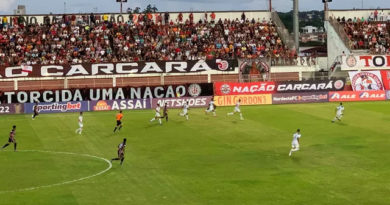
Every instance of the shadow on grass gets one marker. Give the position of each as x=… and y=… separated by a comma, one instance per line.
x=295, y=159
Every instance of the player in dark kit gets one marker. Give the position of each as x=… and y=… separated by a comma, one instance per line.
x=121, y=151
x=165, y=112
x=11, y=138
x=119, y=117
x=36, y=113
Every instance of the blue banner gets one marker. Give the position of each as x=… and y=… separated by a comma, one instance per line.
x=103, y=105
x=57, y=107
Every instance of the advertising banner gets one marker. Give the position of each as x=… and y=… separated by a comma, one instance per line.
x=222, y=88
x=365, y=62
x=179, y=102
x=366, y=80
x=386, y=79
x=291, y=98
x=11, y=109
x=357, y=96
x=80, y=106
x=310, y=86
x=388, y=94
x=130, y=104
x=166, y=91
x=230, y=100
x=123, y=68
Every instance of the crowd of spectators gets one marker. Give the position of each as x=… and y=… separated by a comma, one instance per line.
x=74, y=39
x=371, y=34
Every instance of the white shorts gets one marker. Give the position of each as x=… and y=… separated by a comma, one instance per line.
x=210, y=110
x=339, y=116
x=237, y=109
x=157, y=115
x=184, y=112
x=81, y=124
x=295, y=145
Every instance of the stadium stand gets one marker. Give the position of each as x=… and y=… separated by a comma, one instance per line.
x=80, y=39
x=368, y=32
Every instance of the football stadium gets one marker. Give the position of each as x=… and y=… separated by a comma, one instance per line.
x=269, y=102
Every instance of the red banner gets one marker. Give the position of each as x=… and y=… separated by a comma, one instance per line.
x=386, y=78
x=357, y=96
x=222, y=88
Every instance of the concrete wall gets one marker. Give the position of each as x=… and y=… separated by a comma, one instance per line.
x=336, y=45
x=355, y=13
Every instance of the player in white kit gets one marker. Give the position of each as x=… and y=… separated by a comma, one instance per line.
x=157, y=116
x=211, y=107
x=295, y=142
x=237, y=110
x=80, y=129
x=184, y=112
x=339, y=113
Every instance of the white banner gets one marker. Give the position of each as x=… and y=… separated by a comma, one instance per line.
x=365, y=62
x=366, y=80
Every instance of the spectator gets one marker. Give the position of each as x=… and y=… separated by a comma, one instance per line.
x=212, y=17
x=376, y=15
x=243, y=17
x=166, y=18
x=191, y=17
x=373, y=36
x=71, y=40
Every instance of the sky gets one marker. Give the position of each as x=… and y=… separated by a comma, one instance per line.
x=77, y=6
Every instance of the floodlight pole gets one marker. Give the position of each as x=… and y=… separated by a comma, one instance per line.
x=326, y=10
x=270, y=5
x=121, y=5
x=296, y=23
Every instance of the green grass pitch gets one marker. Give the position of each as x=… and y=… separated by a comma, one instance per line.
x=206, y=160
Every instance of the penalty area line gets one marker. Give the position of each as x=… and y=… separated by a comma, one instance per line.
x=65, y=182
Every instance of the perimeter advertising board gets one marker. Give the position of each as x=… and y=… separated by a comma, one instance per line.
x=292, y=98
x=129, y=104
x=225, y=88
x=202, y=101
x=222, y=88
x=58, y=107
x=357, y=96
x=230, y=100
x=11, y=108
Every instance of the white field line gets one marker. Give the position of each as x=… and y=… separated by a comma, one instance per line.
x=65, y=182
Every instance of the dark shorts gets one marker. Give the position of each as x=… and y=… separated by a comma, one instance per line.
x=118, y=122
x=121, y=154
x=36, y=113
x=11, y=140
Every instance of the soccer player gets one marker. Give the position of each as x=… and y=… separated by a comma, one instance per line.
x=11, y=138
x=36, y=113
x=237, y=110
x=295, y=142
x=184, y=112
x=80, y=129
x=157, y=116
x=165, y=112
x=339, y=113
x=119, y=117
x=211, y=107
x=121, y=151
